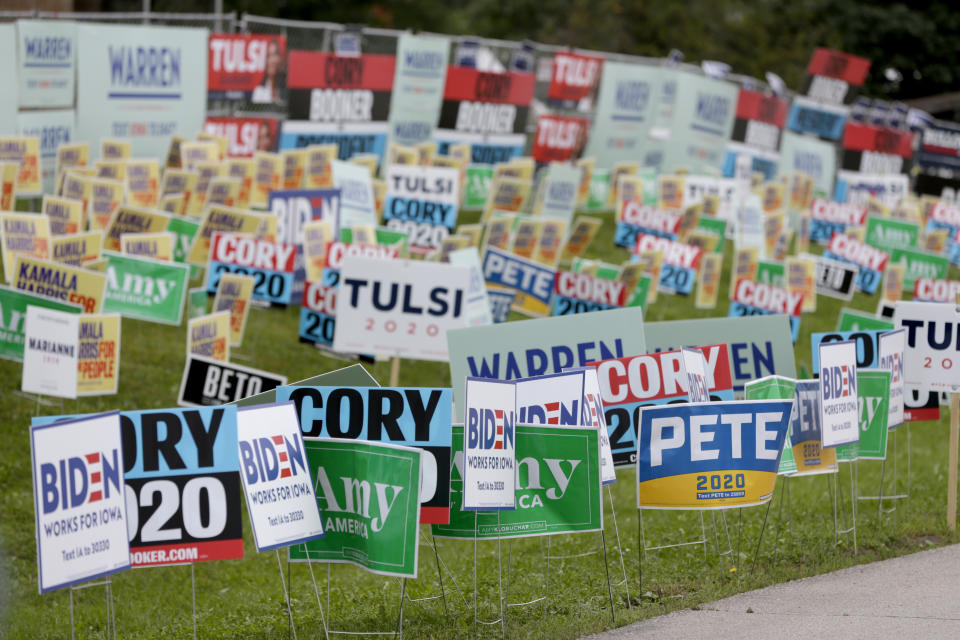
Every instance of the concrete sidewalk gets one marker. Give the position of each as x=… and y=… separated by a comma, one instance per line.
x=915, y=596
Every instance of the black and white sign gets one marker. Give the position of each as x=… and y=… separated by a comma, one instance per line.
x=834, y=278
x=208, y=382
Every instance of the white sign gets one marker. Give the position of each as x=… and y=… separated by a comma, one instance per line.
x=46, y=62
x=489, y=446
x=695, y=371
x=891, y=359
x=554, y=399
x=422, y=202
x=8, y=74
x=141, y=83
x=594, y=417
x=79, y=499
x=276, y=482
x=50, y=352
x=356, y=194
x=931, y=356
x=479, y=312
x=401, y=308
x=839, y=402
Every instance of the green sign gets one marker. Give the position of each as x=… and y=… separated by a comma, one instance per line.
x=558, y=487
x=196, y=303
x=369, y=498
x=13, y=318
x=145, y=289
x=714, y=226
x=775, y=388
x=853, y=320
x=599, y=190
x=183, y=230
x=873, y=389
x=888, y=234
x=771, y=273
x=512, y=350
x=479, y=180
x=920, y=264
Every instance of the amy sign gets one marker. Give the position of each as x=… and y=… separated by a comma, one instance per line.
x=411, y=417
x=401, y=308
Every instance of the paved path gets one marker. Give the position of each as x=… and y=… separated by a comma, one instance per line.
x=914, y=596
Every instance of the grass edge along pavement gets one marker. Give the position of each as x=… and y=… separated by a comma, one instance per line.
x=242, y=598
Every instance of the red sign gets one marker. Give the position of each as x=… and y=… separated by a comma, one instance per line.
x=754, y=105
x=315, y=70
x=247, y=63
x=574, y=76
x=837, y=64
x=558, y=138
x=245, y=135
x=865, y=137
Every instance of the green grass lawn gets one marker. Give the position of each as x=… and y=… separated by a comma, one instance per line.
x=243, y=598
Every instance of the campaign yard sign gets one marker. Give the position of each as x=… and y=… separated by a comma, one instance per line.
x=583, y=292
x=891, y=346
x=140, y=83
x=421, y=69
x=270, y=263
x=811, y=456
x=839, y=414
x=871, y=261
x=629, y=384
x=828, y=217
x=931, y=346
x=368, y=495
x=758, y=346
x=776, y=388
x=98, y=355
x=558, y=487
x=680, y=262
x=489, y=445
x=13, y=316
x=412, y=417
x=713, y=455
x=318, y=308
x=208, y=382
x=233, y=295
x=180, y=468
x=145, y=289
x=835, y=278
x=277, y=487
x=634, y=218
x=873, y=388
x=60, y=282
x=535, y=347
x=47, y=55
x=79, y=500
x=50, y=352
x=293, y=209
x=402, y=308
x=422, y=202
x=751, y=298
x=530, y=281
x=487, y=109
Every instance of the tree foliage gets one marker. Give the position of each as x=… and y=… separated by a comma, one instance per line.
x=920, y=40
